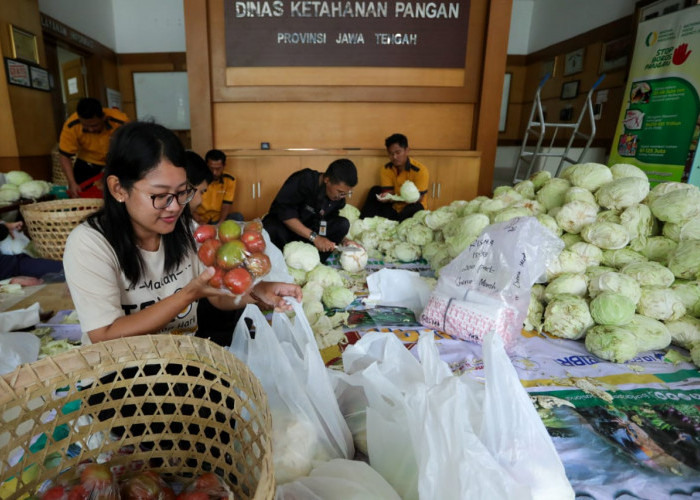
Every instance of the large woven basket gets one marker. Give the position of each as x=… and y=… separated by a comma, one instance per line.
x=179, y=405
x=50, y=222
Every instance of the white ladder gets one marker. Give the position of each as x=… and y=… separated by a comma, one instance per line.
x=530, y=154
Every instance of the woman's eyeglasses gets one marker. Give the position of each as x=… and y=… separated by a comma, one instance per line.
x=164, y=200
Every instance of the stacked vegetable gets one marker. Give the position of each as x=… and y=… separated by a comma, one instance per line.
x=237, y=254
x=20, y=184
x=628, y=279
x=322, y=286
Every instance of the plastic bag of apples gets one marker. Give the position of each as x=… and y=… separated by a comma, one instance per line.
x=237, y=253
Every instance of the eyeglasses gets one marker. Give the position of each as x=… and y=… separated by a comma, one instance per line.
x=343, y=194
x=164, y=200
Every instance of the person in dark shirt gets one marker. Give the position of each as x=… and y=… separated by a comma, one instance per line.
x=22, y=268
x=306, y=208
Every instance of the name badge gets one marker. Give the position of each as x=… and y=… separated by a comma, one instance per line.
x=322, y=228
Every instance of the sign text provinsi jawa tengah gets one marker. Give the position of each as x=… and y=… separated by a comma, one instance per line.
x=346, y=33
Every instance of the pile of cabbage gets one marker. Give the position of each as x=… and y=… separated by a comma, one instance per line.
x=628, y=280
x=323, y=288
x=18, y=184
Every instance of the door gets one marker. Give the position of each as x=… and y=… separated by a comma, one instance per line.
x=73, y=81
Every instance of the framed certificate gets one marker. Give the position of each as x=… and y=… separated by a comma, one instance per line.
x=17, y=73
x=23, y=45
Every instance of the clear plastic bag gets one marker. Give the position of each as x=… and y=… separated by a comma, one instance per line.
x=487, y=286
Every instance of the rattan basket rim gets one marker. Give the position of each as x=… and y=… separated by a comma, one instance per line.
x=57, y=207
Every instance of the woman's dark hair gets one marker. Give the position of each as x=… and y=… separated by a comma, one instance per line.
x=342, y=170
x=134, y=150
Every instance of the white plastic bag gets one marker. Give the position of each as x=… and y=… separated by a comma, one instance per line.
x=487, y=286
x=435, y=435
x=17, y=348
x=16, y=245
x=338, y=479
x=305, y=430
x=398, y=287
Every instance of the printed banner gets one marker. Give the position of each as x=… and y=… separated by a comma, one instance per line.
x=658, y=127
x=417, y=34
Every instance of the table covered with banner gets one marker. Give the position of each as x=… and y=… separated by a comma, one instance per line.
x=622, y=430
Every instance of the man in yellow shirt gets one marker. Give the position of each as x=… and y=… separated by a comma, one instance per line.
x=217, y=200
x=85, y=136
x=400, y=169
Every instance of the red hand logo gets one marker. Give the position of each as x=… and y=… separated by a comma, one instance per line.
x=681, y=54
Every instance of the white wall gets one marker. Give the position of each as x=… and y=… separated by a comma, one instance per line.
x=94, y=18
x=521, y=18
x=149, y=26
x=125, y=26
x=555, y=20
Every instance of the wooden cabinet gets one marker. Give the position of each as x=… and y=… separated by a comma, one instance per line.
x=454, y=175
x=451, y=179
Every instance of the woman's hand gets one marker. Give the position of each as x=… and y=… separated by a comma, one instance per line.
x=200, y=287
x=273, y=293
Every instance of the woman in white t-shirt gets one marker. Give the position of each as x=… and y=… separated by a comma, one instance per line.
x=132, y=268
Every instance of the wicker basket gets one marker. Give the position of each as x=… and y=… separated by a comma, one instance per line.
x=58, y=176
x=179, y=405
x=50, y=222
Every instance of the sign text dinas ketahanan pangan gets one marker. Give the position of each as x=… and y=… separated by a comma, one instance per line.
x=429, y=34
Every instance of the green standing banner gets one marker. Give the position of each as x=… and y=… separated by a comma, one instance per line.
x=659, y=123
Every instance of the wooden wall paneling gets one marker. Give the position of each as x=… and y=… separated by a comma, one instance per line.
x=340, y=125
x=492, y=90
x=198, y=74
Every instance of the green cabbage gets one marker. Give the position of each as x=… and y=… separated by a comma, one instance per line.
x=576, y=193
x=526, y=189
x=609, y=216
x=685, y=331
x=622, y=193
x=660, y=303
x=553, y=193
x=406, y=252
x=638, y=221
x=689, y=293
x=651, y=334
x=570, y=283
x=325, y=275
x=679, y=205
x=17, y=177
x=350, y=212
x=616, y=283
x=591, y=254
x=649, y=273
x=570, y=239
x=665, y=188
x=620, y=170
x=609, y=308
x=337, y=297
x=540, y=178
x=576, y=214
x=613, y=343
x=656, y=248
x=684, y=261
x=567, y=261
x=300, y=255
x=621, y=257
x=550, y=223
x=606, y=235
x=567, y=316
x=590, y=176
